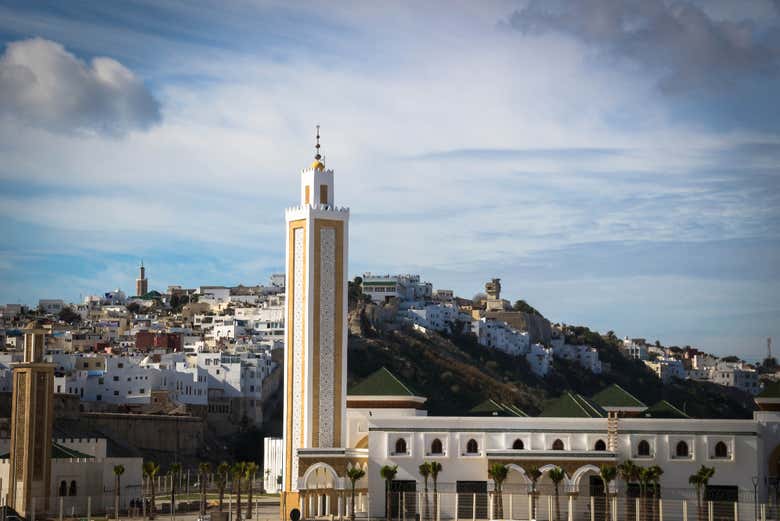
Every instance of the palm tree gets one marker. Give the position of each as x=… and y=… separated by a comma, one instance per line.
x=118, y=471
x=151, y=469
x=204, y=469
x=435, y=469
x=388, y=474
x=238, y=471
x=173, y=471
x=608, y=474
x=534, y=473
x=556, y=475
x=222, y=474
x=654, y=475
x=498, y=472
x=425, y=472
x=700, y=481
x=645, y=474
x=267, y=478
x=354, y=474
x=628, y=472
x=251, y=472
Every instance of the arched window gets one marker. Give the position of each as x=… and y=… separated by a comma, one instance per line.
x=600, y=445
x=472, y=447
x=643, y=449
x=436, y=447
x=63, y=488
x=682, y=449
x=73, y=490
x=721, y=450
x=400, y=446
x=518, y=444
x=557, y=445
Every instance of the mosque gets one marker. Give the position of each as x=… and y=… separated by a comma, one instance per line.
x=328, y=430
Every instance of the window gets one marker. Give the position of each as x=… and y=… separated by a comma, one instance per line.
x=600, y=445
x=472, y=447
x=400, y=446
x=557, y=445
x=436, y=447
x=63, y=488
x=116, y=393
x=73, y=490
x=681, y=451
x=643, y=449
x=721, y=450
x=518, y=444
x=99, y=397
x=307, y=197
x=324, y=194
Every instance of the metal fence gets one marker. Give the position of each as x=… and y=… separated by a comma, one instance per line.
x=417, y=506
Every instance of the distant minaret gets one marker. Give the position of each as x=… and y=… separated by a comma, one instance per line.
x=141, y=284
x=32, y=419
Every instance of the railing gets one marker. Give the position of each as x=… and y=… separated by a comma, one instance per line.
x=466, y=506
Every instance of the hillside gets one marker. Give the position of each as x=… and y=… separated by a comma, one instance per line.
x=456, y=373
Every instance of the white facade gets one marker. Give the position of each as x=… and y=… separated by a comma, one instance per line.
x=408, y=287
x=667, y=369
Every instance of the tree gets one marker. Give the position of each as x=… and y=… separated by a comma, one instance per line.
x=173, y=472
x=251, y=472
x=654, y=476
x=556, y=475
x=222, y=474
x=644, y=479
x=134, y=308
x=354, y=474
x=435, y=470
x=478, y=300
x=700, y=481
x=204, y=469
x=498, y=472
x=118, y=471
x=238, y=471
x=628, y=472
x=425, y=472
x=522, y=305
x=534, y=474
x=151, y=469
x=67, y=314
x=388, y=473
x=608, y=473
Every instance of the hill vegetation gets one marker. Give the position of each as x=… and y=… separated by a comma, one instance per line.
x=456, y=373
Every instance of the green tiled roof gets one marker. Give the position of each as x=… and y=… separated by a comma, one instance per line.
x=380, y=383
x=664, y=409
x=615, y=396
x=771, y=390
x=491, y=407
x=59, y=452
x=570, y=405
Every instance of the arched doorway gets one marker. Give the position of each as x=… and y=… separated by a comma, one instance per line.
x=320, y=491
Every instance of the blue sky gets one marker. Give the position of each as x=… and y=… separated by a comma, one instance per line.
x=616, y=163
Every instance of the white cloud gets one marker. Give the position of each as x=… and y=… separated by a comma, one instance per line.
x=44, y=85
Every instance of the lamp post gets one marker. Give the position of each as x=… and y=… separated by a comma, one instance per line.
x=755, y=498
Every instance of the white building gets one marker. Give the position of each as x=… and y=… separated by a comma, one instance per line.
x=273, y=461
x=667, y=369
x=635, y=348
x=381, y=288
x=736, y=374
x=51, y=306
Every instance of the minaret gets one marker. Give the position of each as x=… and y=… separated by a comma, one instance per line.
x=315, y=379
x=32, y=417
x=141, y=284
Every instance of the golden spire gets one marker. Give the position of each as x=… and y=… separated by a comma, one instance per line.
x=317, y=164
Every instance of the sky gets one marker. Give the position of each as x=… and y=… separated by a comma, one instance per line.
x=615, y=162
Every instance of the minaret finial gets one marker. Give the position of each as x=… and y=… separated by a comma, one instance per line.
x=317, y=156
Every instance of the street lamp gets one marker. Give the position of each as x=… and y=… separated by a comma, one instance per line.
x=755, y=498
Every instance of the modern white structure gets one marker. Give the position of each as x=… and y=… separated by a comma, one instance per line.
x=273, y=461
